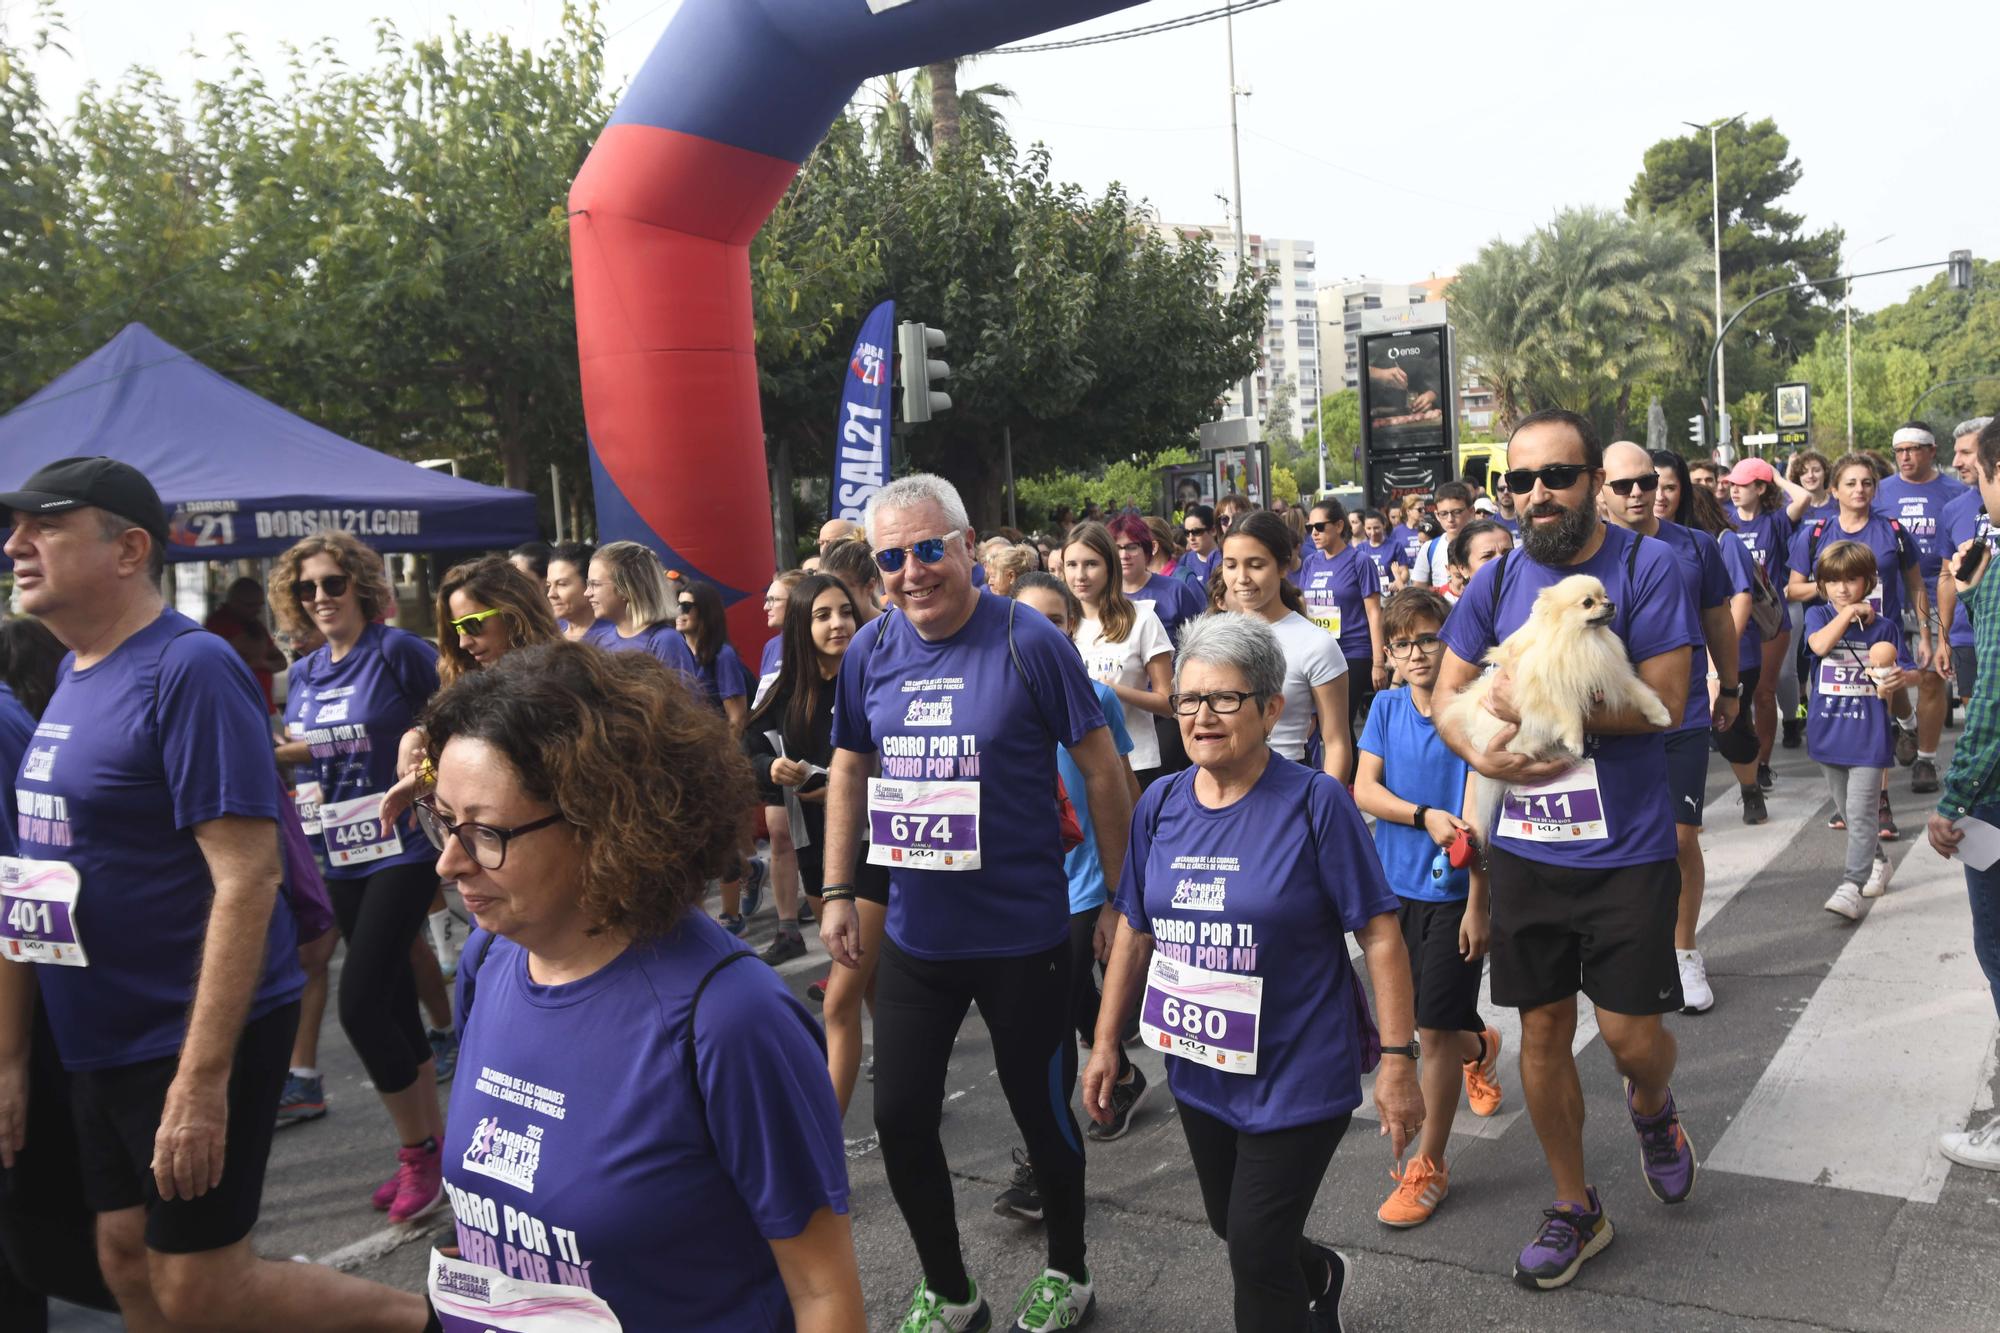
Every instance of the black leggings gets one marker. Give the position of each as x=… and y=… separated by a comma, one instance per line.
x=1258, y=1190
x=919, y=1007
x=379, y=915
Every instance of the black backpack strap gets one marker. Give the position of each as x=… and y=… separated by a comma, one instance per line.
x=1812, y=547
x=1499, y=577
x=694, y=1002
x=1631, y=580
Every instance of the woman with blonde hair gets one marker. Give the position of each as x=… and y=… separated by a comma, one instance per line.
x=635, y=608
x=350, y=703
x=1005, y=562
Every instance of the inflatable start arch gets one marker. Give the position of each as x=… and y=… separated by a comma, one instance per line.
x=696, y=156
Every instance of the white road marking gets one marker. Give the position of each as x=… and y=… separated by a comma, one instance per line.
x=389, y=1239
x=1893, y=1049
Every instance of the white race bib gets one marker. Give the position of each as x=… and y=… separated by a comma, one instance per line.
x=1209, y=1018
x=1845, y=680
x=470, y=1298
x=1567, y=808
x=354, y=832
x=1326, y=615
x=38, y=912
x=923, y=825
x=305, y=799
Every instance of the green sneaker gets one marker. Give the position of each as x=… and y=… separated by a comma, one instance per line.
x=931, y=1313
x=1056, y=1300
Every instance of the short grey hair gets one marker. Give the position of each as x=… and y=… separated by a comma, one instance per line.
x=919, y=488
x=1230, y=639
x=1972, y=427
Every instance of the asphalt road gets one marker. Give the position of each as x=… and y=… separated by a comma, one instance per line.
x=1813, y=1092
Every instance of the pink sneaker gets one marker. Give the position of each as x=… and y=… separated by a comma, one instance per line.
x=385, y=1193
x=419, y=1183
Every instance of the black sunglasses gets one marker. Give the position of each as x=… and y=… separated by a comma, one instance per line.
x=1322, y=525
x=485, y=844
x=1195, y=532
x=687, y=605
x=335, y=585
x=1554, y=476
x=1624, y=485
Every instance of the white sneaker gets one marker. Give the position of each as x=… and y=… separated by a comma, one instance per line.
x=1846, y=901
x=1976, y=1148
x=1697, y=997
x=1878, y=877
x=1054, y=1300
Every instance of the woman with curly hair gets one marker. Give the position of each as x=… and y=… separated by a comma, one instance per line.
x=1005, y=563
x=660, y=1109
x=350, y=703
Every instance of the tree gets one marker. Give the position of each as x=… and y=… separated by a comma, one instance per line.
x=1582, y=312
x=1887, y=379
x=1763, y=244
x=1339, y=424
x=906, y=123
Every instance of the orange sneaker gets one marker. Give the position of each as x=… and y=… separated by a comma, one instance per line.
x=1420, y=1187
x=1482, y=1078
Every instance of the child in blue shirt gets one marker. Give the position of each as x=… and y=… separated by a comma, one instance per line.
x=1858, y=662
x=1420, y=795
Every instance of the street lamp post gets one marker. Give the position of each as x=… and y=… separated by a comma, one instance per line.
x=1236, y=167
x=1715, y=222
x=1847, y=311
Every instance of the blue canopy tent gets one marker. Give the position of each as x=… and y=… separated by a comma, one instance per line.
x=241, y=476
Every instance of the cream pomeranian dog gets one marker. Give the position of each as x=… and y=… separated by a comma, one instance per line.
x=1561, y=662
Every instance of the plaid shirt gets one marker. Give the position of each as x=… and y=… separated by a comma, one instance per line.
x=1976, y=757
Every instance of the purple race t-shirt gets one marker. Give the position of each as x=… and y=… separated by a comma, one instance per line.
x=1410, y=540
x=957, y=710
x=1708, y=585
x=167, y=732
x=1217, y=890
x=662, y=641
x=1919, y=507
x=17, y=727
x=1384, y=557
x=1964, y=520
x=1174, y=601
x=1826, y=508
x=1655, y=615
x=1194, y=571
x=724, y=678
x=1742, y=576
x=1894, y=553
x=1341, y=581
x=353, y=713
x=579, y=1152
x=1768, y=535
x=1847, y=725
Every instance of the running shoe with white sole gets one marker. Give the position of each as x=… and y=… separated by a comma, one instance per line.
x=1125, y=1099
x=303, y=1099
x=1023, y=1197
x=1846, y=901
x=419, y=1183
x=1976, y=1148
x=1906, y=745
x=1665, y=1155
x=1420, y=1187
x=1878, y=876
x=1697, y=996
x=1482, y=1078
x=1326, y=1305
x=931, y=1313
x=1055, y=1300
x=1571, y=1233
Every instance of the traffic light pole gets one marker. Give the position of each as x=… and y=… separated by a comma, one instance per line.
x=1960, y=280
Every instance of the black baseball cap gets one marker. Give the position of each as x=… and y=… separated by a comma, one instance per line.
x=72, y=483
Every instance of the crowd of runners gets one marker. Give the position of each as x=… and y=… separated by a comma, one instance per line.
x=1137, y=781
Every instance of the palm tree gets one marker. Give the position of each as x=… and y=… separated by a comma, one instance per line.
x=906, y=123
x=1582, y=311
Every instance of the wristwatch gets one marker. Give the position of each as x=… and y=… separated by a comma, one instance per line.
x=1409, y=1048
x=1729, y=691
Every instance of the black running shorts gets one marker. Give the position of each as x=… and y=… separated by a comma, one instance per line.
x=1447, y=985
x=1608, y=933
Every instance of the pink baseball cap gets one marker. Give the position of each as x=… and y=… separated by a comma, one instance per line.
x=1749, y=470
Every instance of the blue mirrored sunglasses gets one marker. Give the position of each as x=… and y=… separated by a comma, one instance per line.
x=928, y=551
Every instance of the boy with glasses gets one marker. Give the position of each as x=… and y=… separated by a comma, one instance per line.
x=1453, y=507
x=1421, y=796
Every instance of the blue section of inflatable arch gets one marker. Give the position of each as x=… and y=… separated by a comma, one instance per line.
x=697, y=154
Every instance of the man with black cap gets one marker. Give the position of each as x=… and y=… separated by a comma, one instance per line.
x=145, y=897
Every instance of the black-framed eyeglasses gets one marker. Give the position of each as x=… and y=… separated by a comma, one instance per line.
x=1423, y=643
x=334, y=585
x=1132, y=547
x=485, y=844
x=1624, y=485
x=1553, y=476
x=1220, y=702
x=928, y=552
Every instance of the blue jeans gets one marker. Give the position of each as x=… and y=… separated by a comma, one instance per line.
x=1983, y=886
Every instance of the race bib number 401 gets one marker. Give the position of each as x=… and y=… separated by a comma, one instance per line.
x=38, y=912
x=923, y=825
x=354, y=832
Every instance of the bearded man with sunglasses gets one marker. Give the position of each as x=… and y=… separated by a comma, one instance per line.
x=144, y=892
x=1581, y=863
x=946, y=721
x=1632, y=482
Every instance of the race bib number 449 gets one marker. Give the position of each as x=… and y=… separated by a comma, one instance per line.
x=354, y=832
x=923, y=825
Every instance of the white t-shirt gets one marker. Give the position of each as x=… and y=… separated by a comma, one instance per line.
x=1432, y=568
x=1125, y=664
x=1312, y=658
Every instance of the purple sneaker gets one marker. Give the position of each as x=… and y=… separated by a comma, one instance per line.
x=1664, y=1151
x=1569, y=1235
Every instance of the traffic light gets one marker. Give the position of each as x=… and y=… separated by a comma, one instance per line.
x=1958, y=270
x=1698, y=433
x=914, y=345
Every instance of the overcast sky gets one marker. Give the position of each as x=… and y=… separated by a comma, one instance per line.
x=1398, y=138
